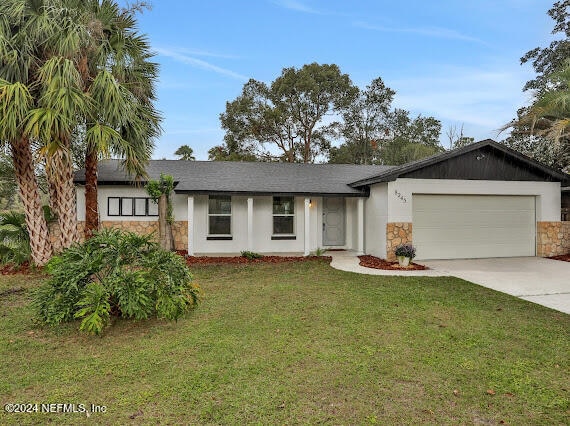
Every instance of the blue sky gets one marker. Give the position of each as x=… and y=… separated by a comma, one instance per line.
x=455, y=60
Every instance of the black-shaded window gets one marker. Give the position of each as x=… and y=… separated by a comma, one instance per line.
x=283, y=215
x=219, y=215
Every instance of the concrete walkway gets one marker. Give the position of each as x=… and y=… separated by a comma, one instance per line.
x=538, y=280
x=348, y=261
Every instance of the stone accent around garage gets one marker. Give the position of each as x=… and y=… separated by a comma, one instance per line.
x=552, y=238
x=397, y=233
x=179, y=230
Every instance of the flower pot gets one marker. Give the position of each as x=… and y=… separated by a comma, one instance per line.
x=404, y=261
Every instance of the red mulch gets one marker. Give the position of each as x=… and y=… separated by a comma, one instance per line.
x=212, y=260
x=10, y=269
x=377, y=263
x=563, y=257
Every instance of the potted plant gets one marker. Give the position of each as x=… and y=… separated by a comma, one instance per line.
x=405, y=253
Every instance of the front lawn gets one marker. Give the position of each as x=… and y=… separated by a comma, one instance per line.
x=298, y=343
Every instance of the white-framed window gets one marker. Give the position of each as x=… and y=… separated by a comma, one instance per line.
x=283, y=216
x=220, y=216
x=131, y=206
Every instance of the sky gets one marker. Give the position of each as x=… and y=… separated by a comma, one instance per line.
x=458, y=61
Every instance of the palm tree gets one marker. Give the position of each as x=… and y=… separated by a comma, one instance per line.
x=70, y=70
x=549, y=115
x=185, y=153
x=119, y=78
x=24, y=31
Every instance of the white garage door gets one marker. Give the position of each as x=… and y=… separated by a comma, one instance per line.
x=473, y=226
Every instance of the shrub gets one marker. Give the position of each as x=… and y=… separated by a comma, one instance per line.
x=320, y=251
x=115, y=273
x=14, y=238
x=251, y=255
x=406, y=250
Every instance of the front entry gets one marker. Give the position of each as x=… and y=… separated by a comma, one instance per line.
x=333, y=222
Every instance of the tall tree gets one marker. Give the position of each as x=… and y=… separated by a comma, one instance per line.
x=287, y=116
x=546, y=123
x=84, y=67
x=532, y=130
x=364, y=125
x=185, y=153
x=119, y=78
x=547, y=60
x=28, y=31
x=457, y=138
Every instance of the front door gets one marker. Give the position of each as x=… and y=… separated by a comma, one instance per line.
x=333, y=221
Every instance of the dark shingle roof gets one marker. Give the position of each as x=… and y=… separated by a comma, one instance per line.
x=247, y=177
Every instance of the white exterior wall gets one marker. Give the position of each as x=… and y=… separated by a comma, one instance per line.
x=262, y=227
x=376, y=218
x=179, y=204
x=399, y=196
x=262, y=221
x=351, y=223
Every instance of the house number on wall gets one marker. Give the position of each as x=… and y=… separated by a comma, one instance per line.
x=400, y=196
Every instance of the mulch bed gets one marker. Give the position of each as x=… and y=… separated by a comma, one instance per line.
x=212, y=260
x=377, y=263
x=10, y=269
x=563, y=257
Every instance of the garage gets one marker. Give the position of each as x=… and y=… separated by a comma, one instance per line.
x=473, y=226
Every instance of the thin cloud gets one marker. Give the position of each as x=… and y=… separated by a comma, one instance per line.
x=297, y=6
x=437, y=32
x=481, y=98
x=199, y=63
x=206, y=53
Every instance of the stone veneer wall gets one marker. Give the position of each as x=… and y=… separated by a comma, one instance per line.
x=179, y=230
x=397, y=233
x=552, y=238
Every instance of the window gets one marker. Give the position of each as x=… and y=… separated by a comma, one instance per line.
x=129, y=206
x=283, y=218
x=219, y=217
x=140, y=206
x=126, y=206
x=113, y=206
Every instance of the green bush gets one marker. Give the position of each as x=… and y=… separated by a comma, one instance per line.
x=14, y=238
x=115, y=273
x=251, y=255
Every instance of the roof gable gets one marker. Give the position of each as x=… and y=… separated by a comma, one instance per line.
x=485, y=160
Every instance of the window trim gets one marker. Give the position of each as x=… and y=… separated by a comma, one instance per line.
x=220, y=237
x=283, y=236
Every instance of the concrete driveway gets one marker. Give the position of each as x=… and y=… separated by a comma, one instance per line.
x=538, y=280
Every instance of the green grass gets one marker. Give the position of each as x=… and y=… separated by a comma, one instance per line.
x=299, y=343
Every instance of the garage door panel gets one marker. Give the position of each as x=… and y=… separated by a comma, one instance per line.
x=472, y=226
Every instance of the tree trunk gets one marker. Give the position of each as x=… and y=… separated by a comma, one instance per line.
x=53, y=197
x=91, y=205
x=30, y=195
x=66, y=207
x=164, y=229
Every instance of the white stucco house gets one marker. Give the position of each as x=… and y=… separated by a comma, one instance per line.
x=483, y=200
